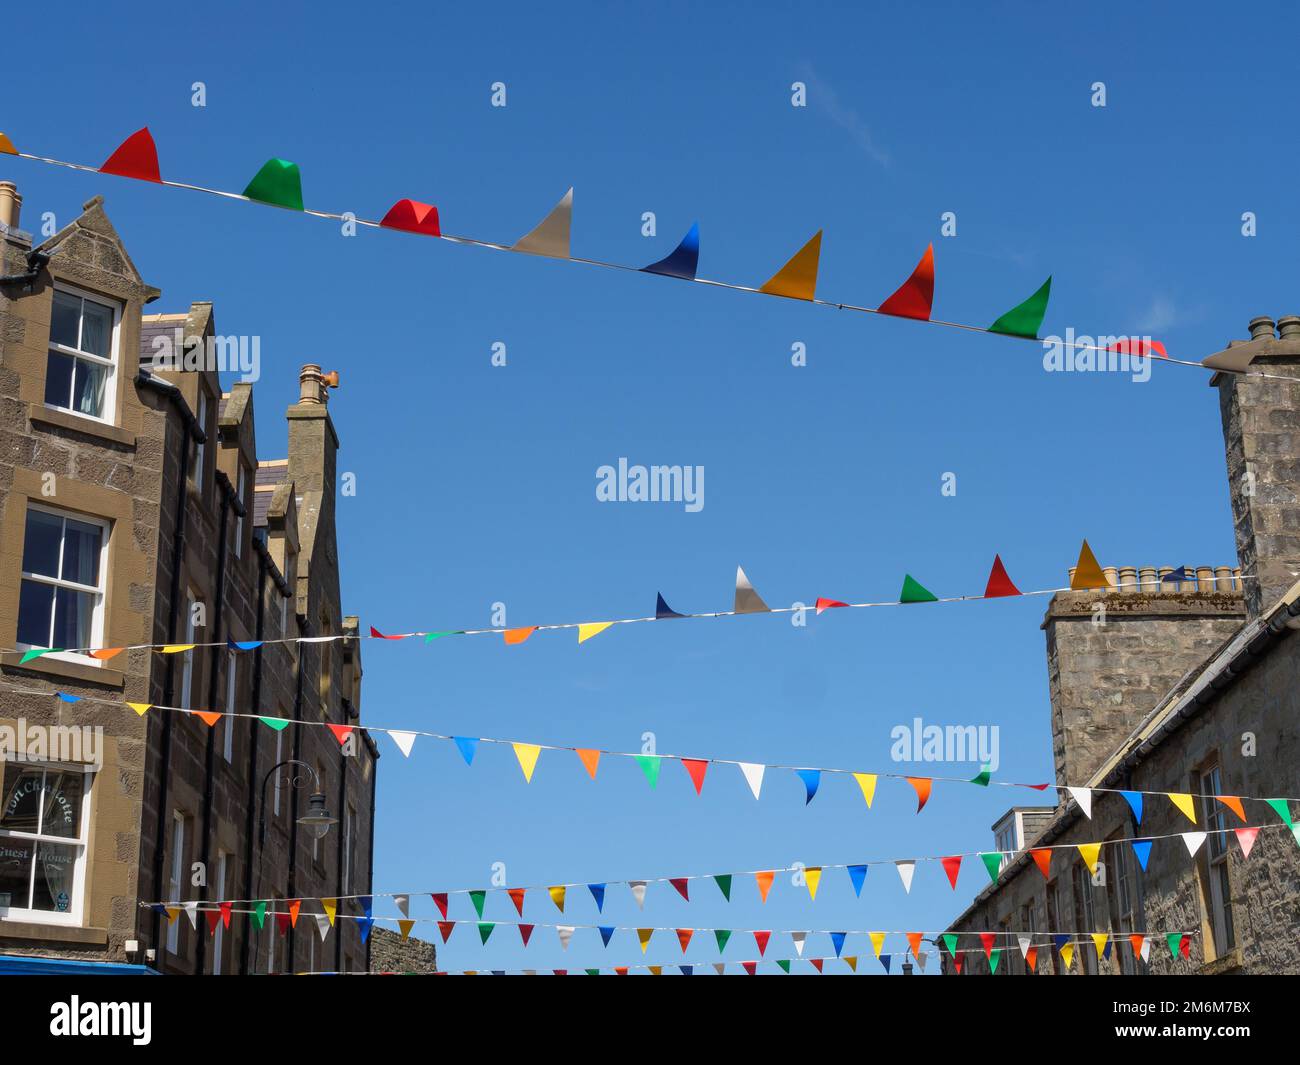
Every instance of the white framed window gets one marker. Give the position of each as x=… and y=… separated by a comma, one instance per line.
x=177, y=879
x=279, y=757
x=199, y=449
x=187, y=667
x=64, y=573
x=241, y=488
x=44, y=824
x=81, y=366
x=1085, y=919
x=219, y=893
x=1216, y=857
x=228, y=740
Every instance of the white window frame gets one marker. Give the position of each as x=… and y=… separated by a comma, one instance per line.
x=109, y=414
x=241, y=489
x=101, y=593
x=187, y=667
x=200, y=447
x=177, y=879
x=217, y=938
x=73, y=915
x=232, y=677
x=1223, y=927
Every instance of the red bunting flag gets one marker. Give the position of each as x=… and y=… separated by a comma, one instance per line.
x=1185, y=947
x=620, y=970
x=951, y=866
x=380, y=636
x=988, y=939
x=696, y=767
x=922, y=786
x=682, y=885
x=282, y=923
x=1031, y=960
x=440, y=900
x=525, y=933
x=517, y=897
x=915, y=296
x=761, y=939
x=684, y=937
x=750, y=967
x=445, y=928
x=414, y=217
x=957, y=960
x=1139, y=346
x=828, y=604
x=226, y=909
x=341, y=733
x=816, y=963
x=1043, y=858
x=999, y=583
x=136, y=157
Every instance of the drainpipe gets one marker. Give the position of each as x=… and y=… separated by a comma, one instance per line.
x=260, y=548
x=293, y=798
x=370, y=856
x=192, y=430
x=342, y=808
x=229, y=502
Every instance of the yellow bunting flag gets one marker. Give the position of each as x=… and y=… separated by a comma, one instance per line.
x=867, y=782
x=656, y=970
x=877, y=941
x=644, y=934
x=590, y=759
x=140, y=708
x=527, y=754
x=176, y=648
x=557, y=896
x=1184, y=803
x=406, y=926
x=1087, y=573
x=592, y=628
x=1090, y=852
x=172, y=913
x=851, y=960
x=331, y=907
x=812, y=877
x=1099, y=942
x=1067, y=953
x=797, y=279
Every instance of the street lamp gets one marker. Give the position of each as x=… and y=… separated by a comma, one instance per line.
x=317, y=818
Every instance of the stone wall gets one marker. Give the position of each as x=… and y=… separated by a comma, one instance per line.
x=390, y=953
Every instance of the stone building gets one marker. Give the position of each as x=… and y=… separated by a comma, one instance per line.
x=134, y=511
x=1186, y=687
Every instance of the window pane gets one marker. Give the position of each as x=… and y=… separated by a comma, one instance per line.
x=58, y=380
x=73, y=612
x=81, y=543
x=41, y=543
x=88, y=388
x=15, y=872
x=22, y=798
x=56, y=867
x=63, y=319
x=96, y=329
x=62, y=802
x=35, y=609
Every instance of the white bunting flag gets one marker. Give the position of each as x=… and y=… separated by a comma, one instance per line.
x=1082, y=796
x=1146, y=948
x=905, y=871
x=322, y=925
x=753, y=776
x=638, y=892
x=403, y=903
x=405, y=741
x=565, y=932
x=1024, y=942
x=920, y=960
x=800, y=938
x=1193, y=841
x=192, y=912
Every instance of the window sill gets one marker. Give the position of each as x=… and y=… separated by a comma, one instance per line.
x=54, y=933
x=61, y=669
x=1229, y=963
x=61, y=419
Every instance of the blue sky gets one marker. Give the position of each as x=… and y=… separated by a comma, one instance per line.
x=476, y=484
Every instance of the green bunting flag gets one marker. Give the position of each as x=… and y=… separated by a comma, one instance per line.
x=914, y=592
x=1025, y=319
x=277, y=183
x=982, y=777
x=995, y=956
x=1283, y=810
x=650, y=764
x=1172, y=940
x=259, y=915
x=477, y=897
x=485, y=930
x=593, y=972
x=950, y=941
x=724, y=885
x=993, y=863
x=785, y=966
x=277, y=723
x=431, y=636
x=722, y=935
x=36, y=652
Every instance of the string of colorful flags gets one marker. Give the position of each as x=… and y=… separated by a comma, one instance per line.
x=560, y=895
x=279, y=184
x=221, y=916
x=528, y=755
x=1088, y=576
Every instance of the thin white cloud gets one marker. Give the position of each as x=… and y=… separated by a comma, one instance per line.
x=824, y=97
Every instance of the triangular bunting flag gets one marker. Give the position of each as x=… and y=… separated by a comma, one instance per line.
x=404, y=740
x=683, y=886
x=557, y=894
x=914, y=592
x=211, y=717
x=1232, y=803
x=684, y=260
x=684, y=937
x=598, y=893
x=323, y=926
x=696, y=767
x=1024, y=942
x=951, y=866
x=828, y=604
x=446, y=928
x=341, y=732
x=1082, y=797
x=1185, y=804
x=440, y=900
x=812, y=779
x=999, y=584
x=1134, y=800
x=760, y=940
x=877, y=941
x=140, y=708
x=1067, y=954
x=867, y=782
x=550, y=236
x=797, y=279
x=638, y=892
x=485, y=929
x=857, y=876
x=565, y=932
x=413, y=217
x=1043, y=859
x=527, y=754
x=1142, y=848
x=915, y=297
x=643, y=936
x=906, y=869
x=799, y=939
x=590, y=760
x=993, y=863
x=136, y=157
x=404, y=925
x=330, y=906
x=478, y=897
x=922, y=786
x=1025, y=319
x=747, y=600
x=950, y=941
x=278, y=183
x=764, y=882
x=606, y=933
x=592, y=628
x=914, y=942
x=721, y=935
x=1246, y=838
x=467, y=746
x=753, y=776
x=812, y=876
x=1193, y=841
x=724, y=884
x=526, y=933
x=517, y=636
x=1087, y=573
x=663, y=610
x=1090, y=853
x=650, y=764
x=517, y=897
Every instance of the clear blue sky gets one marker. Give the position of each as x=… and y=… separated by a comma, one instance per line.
x=476, y=484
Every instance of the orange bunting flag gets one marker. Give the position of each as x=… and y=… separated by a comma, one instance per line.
x=915, y=296
x=590, y=760
x=922, y=786
x=1087, y=573
x=684, y=937
x=1043, y=859
x=797, y=279
x=914, y=941
x=404, y=926
x=209, y=717
x=103, y=654
x=1232, y=803
x=514, y=636
x=7, y=146
x=764, y=881
x=517, y=897
x=294, y=906
x=696, y=767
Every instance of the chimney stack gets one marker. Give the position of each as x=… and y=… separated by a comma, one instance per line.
x=11, y=204
x=1261, y=435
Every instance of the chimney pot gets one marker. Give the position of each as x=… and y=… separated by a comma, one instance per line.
x=311, y=385
x=11, y=204
x=1288, y=328
x=1261, y=327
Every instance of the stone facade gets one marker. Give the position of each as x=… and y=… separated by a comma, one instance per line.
x=195, y=552
x=390, y=953
x=1186, y=688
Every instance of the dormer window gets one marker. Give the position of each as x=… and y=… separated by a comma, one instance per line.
x=82, y=362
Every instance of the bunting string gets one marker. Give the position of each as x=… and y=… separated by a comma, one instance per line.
x=1088, y=576
x=279, y=184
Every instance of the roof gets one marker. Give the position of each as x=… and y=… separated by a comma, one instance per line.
x=269, y=475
